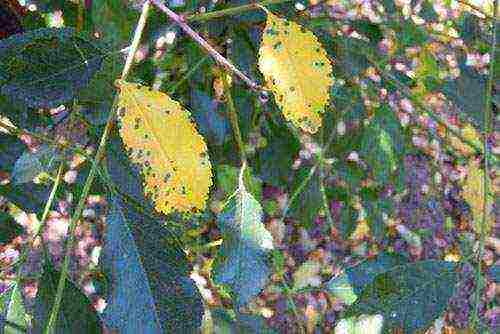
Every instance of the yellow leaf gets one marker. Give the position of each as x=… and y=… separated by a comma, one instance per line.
x=296, y=68
x=473, y=193
x=161, y=138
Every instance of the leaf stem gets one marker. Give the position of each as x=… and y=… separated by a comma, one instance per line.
x=488, y=116
x=232, y=11
x=181, y=22
x=193, y=70
x=233, y=118
x=45, y=214
x=90, y=178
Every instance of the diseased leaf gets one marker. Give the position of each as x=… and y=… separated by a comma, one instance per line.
x=349, y=285
x=473, y=193
x=76, y=314
x=296, y=68
x=12, y=310
x=409, y=296
x=243, y=263
x=161, y=137
x=47, y=67
x=161, y=268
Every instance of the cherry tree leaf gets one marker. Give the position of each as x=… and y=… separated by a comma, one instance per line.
x=162, y=139
x=77, y=315
x=46, y=67
x=296, y=68
x=410, y=296
x=243, y=263
x=12, y=311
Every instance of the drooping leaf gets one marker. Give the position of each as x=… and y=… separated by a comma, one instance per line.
x=161, y=137
x=473, y=193
x=349, y=285
x=227, y=181
x=143, y=262
x=13, y=314
x=274, y=161
x=213, y=124
x=468, y=93
x=383, y=144
x=409, y=296
x=9, y=229
x=30, y=197
x=310, y=200
x=76, y=314
x=47, y=67
x=296, y=68
x=30, y=164
x=243, y=263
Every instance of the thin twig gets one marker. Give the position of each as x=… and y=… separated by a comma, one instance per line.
x=233, y=119
x=90, y=178
x=232, y=11
x=181, y=22
x=488, y=116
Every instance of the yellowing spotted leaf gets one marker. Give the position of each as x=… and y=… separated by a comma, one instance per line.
x=473, y=193
x=162, y=139
x=297, y=70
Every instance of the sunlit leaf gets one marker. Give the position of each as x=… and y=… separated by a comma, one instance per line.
x=13, y=311
x=30, y=164
x=160, y=136
x=473, y=193
x=243, y=263
x=296, y=68
x=47, y=67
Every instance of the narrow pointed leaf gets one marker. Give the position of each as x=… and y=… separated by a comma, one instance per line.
x=162, y=139
x=296, y=68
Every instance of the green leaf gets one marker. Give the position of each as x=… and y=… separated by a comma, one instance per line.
x=76, y=314
x=349, y=285
x=363, y=324
x=140, y=252
x=227, y=181
x=409, y=296
x=30, y=164
x=9, y=229
x=47, y=67
x=274, y=162
x=12, y=311
x=243, y=258
x=467, y=93
x=382, y=145
x=114, y=20
x=309, y=201
x=494, y=273
x=224, y=322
